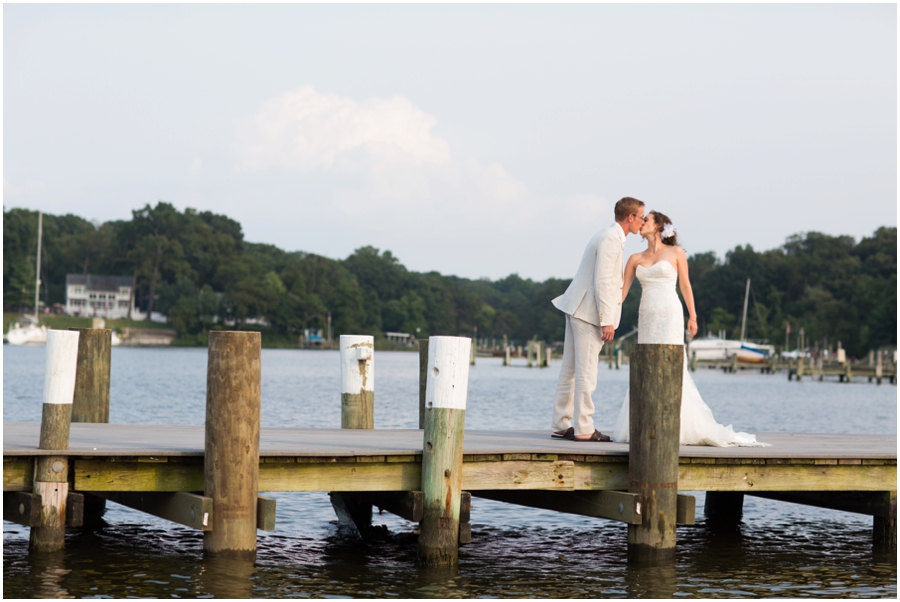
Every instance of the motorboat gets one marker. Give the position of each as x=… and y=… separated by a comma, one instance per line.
x=29, y=333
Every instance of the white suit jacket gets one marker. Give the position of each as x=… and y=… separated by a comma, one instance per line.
x=595, y=294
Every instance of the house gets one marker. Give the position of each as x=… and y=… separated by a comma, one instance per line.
x=102, y=296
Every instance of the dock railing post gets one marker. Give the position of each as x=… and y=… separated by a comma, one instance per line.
x=655, y=426
x=51, y=473
x=231, y=459
x=357, y=381
x=445, y=414
x=91, y=402
x=423, y=377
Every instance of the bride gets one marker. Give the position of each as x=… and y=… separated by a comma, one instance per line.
x=660, y=320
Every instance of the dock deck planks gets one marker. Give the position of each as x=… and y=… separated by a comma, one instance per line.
x=105, y=440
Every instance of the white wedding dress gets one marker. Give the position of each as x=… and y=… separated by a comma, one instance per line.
x=661, y=321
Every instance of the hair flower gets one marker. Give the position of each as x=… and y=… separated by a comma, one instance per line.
x=668, y=231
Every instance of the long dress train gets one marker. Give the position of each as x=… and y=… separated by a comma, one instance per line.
x=660, y=320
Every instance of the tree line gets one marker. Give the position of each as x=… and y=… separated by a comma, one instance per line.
x=197, y=269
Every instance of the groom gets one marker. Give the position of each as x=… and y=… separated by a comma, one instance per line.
x=593, y=306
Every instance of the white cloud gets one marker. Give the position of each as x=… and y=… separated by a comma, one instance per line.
x=303, y=129
x=195, y=166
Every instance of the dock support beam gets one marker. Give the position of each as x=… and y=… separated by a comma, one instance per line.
x=91, y=402
x=51, y=473
x=231, y=461
x=445, y=414
x=723, y=510
x=655, y=424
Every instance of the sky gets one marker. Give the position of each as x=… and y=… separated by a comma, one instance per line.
x=474, y=140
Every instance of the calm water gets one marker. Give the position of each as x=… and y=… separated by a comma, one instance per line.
x=781, y=550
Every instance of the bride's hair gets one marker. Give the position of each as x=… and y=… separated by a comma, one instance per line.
x=662, y=222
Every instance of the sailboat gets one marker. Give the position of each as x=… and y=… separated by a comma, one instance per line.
x=715, y=348
x=31, y=332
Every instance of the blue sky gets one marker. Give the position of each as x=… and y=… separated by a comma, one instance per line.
x=477, y=140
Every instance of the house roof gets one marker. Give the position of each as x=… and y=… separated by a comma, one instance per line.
x=94, y=282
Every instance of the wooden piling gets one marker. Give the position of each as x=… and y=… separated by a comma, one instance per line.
x=357, y=412
x=618, y=354
x=231, y=460
x=506, y=354
x=423, y=377
x=529, y=352
x=879, y=366
x=693, y=361
x=51, y=473
x=548, y=355
x=655, y=427
x=473, y=349
x=884, y=528
x=445, y=413
x=91, y=402
x=357, y=382
x=734, y=364
x=847, y=371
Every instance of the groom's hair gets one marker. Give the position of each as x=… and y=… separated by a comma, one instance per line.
x=626, y=206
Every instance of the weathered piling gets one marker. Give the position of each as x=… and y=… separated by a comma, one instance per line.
x=548, y=355
x=655, y=425
x=91, y=401
x=231, y=460
x=445, y=413
x=357, y=382
x=472, y=351
x=506, y=353
x=423, y=377
x=884, y=528
x=530, y=353
x=693, y=361
x=357, y=412
x=879, y=366
x=51, y=473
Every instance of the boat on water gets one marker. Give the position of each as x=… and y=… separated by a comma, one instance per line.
x=713, y=348
x=29, y=333
x=716, y=348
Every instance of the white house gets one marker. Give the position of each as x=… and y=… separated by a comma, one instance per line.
x=102, y=296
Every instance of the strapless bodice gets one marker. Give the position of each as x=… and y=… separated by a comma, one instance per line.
x=660, y=316
x=660, y=274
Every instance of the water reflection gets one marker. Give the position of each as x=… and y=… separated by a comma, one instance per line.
x=48, y=571
x=225, y=578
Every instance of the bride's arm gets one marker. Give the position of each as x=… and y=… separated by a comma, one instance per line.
x=630, y=269
x=684, y=282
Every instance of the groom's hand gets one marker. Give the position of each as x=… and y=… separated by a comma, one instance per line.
x=608, y=333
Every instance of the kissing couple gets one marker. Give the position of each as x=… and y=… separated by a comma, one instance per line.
x=593, y=305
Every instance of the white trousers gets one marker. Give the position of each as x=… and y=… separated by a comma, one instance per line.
x=578, y=377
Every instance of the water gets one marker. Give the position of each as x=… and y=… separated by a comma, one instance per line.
x=780, y=550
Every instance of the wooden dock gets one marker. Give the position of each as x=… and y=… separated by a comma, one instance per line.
x=211, y=477
x=167, y=458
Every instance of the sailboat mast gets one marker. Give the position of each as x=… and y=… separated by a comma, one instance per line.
x=37, y=275
x=744, y=319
